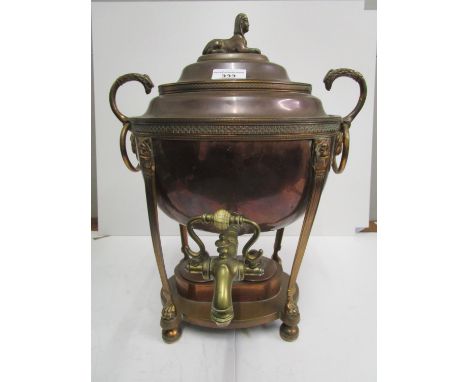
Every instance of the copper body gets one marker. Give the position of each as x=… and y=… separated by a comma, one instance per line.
x=266, y=181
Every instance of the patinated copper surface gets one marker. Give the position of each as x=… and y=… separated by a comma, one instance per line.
x=266, y=181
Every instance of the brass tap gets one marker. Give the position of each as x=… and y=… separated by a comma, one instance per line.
x=226, y=268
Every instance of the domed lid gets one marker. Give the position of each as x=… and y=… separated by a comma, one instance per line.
x=241, y=71
x=232, y=80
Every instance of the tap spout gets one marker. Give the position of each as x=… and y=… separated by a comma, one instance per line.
x=224, y=273
x=225, y=270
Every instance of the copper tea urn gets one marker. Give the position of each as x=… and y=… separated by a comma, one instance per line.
x=236, y=148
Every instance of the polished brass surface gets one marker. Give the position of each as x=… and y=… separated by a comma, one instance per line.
x=237, y=43
x=333, y=74
x=222, y=220
x=261, y=146
x=226, y=268
x=141, y=78
x=343, y=146
x=148, y=85
x=171, y=335
x=253, y=288
x=123, y=148
x=289, y=333
x=320, y=167
x=170, y=320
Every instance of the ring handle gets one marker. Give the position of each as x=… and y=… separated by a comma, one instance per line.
x=123, y=148
x=342, y=145
x=148, y=85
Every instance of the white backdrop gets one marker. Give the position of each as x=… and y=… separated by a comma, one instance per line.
x=160, y=38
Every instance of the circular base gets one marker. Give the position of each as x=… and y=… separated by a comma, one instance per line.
x=246, y=313
x=171, y=335
x=289, y=333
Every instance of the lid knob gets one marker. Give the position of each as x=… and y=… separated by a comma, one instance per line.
x=237, y=43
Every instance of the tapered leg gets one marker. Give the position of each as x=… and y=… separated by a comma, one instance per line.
x=277, y=246
x=170, y=320
x=289, y=330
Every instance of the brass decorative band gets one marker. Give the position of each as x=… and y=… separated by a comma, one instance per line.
x=179, y=87
x=240, y=130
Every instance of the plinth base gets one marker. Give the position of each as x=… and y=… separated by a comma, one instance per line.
x=247, y=314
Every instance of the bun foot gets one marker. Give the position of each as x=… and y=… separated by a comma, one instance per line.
x=171, y=335
x=289, y=333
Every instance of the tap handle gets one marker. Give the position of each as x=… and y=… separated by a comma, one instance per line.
x=222, y=220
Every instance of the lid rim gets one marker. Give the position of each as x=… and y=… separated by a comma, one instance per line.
x=189, y=86
x=329, y=118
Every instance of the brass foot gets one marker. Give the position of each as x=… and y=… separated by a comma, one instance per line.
x=170, y=322
x=289, y=333
x=171, y=335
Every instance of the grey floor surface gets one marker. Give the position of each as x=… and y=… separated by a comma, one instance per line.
x=337, y=341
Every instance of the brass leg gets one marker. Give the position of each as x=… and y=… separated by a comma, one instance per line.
x=184, y=239
x=170, y=320
x=277, y=246
x=289, y=330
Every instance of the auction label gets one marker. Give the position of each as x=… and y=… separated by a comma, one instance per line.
x=229, y=74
